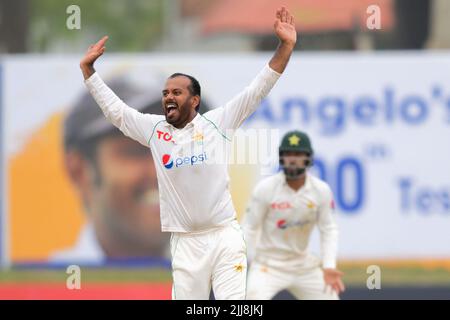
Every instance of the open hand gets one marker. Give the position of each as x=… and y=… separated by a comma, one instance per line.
x=284, y=26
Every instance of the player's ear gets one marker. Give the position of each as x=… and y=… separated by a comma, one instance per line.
x=82, y=175
x=195, y=100
x=77, y=168
x=309, y=161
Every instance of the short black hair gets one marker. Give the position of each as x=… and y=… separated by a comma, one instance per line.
x=194, y=88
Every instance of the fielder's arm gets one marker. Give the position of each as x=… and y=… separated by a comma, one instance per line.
x=329, y=241
x=253, y=220
x=328, y=230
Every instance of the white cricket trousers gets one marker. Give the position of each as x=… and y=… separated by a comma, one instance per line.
x=265, y=282
x=215, y=258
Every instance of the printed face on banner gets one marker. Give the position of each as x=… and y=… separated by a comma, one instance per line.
x=78, y=190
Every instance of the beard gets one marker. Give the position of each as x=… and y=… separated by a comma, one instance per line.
x=293, y=173
x=178, y=115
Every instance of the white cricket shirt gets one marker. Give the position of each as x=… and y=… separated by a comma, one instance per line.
x=279, y=220
x=190, y=162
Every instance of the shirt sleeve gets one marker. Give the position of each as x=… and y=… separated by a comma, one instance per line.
x=253, y=219
x=245, y=103
x=328, y=230
x=131, y=122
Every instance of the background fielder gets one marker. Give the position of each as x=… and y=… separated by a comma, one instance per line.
x=283, y=211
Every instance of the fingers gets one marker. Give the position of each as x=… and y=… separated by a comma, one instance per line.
x=276, y=23
x=338, y=286
x=100, y=44
x=103, y=40
x=329, y=290
x=98, y=48
x=335, y=288
x=330, y=287
x=95, y=54
x=341, y=285
x=283, y=14
x=333, y=279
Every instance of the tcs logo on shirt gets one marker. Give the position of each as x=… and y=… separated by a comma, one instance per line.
x=281, y=205
x=302, y=218
x=164, y=136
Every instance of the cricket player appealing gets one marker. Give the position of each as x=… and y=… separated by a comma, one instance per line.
x=207, y=245
x=278, y=222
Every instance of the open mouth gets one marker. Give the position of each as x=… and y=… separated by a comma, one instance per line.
x=171, y=109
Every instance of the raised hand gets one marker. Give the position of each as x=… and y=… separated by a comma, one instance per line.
x=93, y=53
x=284, y=26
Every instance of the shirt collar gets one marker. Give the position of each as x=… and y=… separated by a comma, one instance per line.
x=194, y=122
x=306, y=186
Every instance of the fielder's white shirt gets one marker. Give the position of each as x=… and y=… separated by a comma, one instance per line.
x=279, y=220
x=190, y=162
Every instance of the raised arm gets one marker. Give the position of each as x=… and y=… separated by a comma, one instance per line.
x=284, y=28
x=132, y=123
x=245, y=103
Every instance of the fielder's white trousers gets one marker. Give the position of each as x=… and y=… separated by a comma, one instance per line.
x=214, y=259
x=265, y=282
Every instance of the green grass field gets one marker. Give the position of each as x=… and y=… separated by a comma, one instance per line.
x=355, y=275
x=109, y=275
x=399, y=276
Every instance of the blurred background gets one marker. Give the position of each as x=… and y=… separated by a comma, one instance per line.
x=369, y=81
